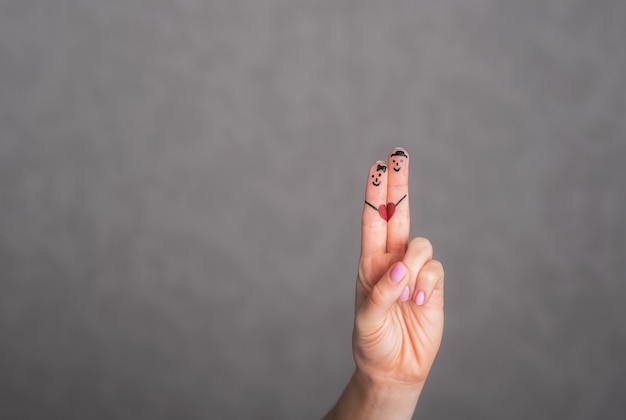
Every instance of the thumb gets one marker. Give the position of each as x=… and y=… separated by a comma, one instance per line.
x=392, y=286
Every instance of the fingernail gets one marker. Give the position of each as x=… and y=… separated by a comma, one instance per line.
x=397, y=272
x=405, y=294
x=419, y=299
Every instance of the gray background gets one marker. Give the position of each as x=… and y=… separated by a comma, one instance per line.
x=181, y=184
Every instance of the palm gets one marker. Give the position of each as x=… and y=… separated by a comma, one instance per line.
x=404, y=341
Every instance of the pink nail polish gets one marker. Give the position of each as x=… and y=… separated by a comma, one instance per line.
x=405, y=294
x=419, y=299
x=397, y=272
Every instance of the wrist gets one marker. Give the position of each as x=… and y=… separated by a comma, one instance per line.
x=387, y=393
x=367, y=397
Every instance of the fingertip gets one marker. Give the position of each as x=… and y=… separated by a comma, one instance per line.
x=398, y=162
x=378, y=169
x=406, y=292
x=398, y=149
x=420, y=298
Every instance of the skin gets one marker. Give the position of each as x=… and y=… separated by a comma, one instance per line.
x=397, y=161
x=398, y=318
x=377, y=176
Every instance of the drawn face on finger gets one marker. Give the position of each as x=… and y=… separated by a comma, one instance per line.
x=377, y=177
x=398, y=158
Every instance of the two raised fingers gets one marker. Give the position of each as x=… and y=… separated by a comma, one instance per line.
x=386, y=215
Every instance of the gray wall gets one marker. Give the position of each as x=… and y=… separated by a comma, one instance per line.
x=181, y=184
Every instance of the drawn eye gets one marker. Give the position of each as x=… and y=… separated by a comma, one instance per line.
x=401, y=160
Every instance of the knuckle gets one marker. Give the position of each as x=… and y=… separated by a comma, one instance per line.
x=437, y=266
x=430, y=277
x=423, y=245
x=435, y=272
x=374, y=224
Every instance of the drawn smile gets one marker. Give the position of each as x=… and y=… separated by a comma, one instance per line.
x=397, y=169
x=376, y=183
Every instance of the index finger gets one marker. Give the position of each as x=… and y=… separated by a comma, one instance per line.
x=374, y=218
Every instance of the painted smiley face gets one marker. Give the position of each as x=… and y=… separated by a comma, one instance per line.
x=377, y=177
x=397, y=160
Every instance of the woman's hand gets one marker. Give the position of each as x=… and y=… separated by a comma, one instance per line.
x=399, y=302
x=399, y=291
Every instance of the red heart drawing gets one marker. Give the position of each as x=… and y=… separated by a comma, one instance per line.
x=386, y=212
x=382, y=210
x=391, y=209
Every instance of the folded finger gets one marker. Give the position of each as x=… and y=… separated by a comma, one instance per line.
x=418, y=253
x=429, y=280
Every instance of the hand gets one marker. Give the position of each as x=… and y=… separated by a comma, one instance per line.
x=399, y=292
x=398, y=322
